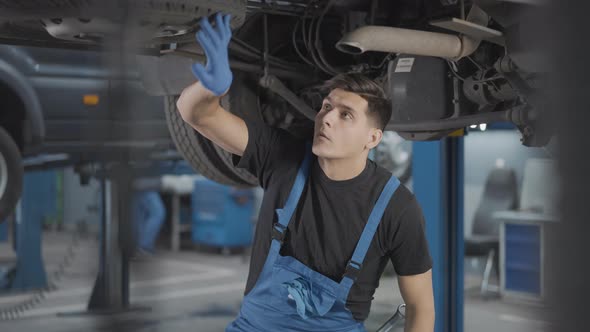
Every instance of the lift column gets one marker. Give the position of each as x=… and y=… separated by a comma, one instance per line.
x=437, y=170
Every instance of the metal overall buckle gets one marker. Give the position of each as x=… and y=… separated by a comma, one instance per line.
x=278, y=232
x=352, y=270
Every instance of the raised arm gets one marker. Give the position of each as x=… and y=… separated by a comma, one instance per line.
x=199, y=103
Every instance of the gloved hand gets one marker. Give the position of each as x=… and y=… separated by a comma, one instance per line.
x=216, y=76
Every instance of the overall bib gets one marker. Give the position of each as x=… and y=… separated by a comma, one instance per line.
x=288, y=295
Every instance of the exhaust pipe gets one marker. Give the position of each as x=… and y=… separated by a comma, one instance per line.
x=406, y=41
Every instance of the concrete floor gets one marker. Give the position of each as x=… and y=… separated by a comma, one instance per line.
x=196, y=291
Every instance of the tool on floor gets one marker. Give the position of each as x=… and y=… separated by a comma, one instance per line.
x=396, y=322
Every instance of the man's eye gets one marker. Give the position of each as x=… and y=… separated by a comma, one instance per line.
x=346, y=115
x=327, y=107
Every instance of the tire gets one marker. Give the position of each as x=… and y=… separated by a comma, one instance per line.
x=11, y=175
x=201, y=154
x=242, y=100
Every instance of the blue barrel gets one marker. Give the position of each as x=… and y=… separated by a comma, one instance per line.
x=221, y=215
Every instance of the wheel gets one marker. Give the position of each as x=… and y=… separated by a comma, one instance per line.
x=11, y=175
x=243, y=100
x=201, y=153
x=247, y=100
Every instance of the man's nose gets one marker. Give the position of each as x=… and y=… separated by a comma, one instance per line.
x=327, y=119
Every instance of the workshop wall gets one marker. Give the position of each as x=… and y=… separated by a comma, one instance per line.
x=482, y=149
x=83, y=201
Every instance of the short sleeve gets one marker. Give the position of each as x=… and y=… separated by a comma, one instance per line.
x=264, y=152
x=409, y=250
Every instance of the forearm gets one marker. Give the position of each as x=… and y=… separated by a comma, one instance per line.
x=196, y=102
x=419, y=319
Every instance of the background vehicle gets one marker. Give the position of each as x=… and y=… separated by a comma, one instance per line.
x=57, y=110
x=446, y=64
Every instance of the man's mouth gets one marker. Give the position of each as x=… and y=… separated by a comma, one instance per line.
x=323, y=136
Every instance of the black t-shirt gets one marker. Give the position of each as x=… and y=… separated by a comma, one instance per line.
x=331, y=216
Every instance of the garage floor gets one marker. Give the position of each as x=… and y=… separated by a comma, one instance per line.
x=195, y=291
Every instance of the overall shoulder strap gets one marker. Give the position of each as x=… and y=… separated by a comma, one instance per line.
x=356, y=262
x=287, y=211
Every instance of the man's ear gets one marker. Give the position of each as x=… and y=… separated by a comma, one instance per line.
x=374, y=138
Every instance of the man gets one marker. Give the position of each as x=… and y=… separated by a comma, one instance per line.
x=148, y=215
x=330, y=218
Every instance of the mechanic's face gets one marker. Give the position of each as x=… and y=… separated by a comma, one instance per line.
x=342, y=128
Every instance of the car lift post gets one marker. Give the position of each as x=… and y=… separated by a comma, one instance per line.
x=110, y=294
x=438, y=186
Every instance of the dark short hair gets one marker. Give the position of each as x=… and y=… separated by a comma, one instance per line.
x=379, y=106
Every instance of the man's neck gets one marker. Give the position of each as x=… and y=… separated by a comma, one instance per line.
x=342, y=169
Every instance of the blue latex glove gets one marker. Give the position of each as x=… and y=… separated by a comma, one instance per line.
x=216, y=76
